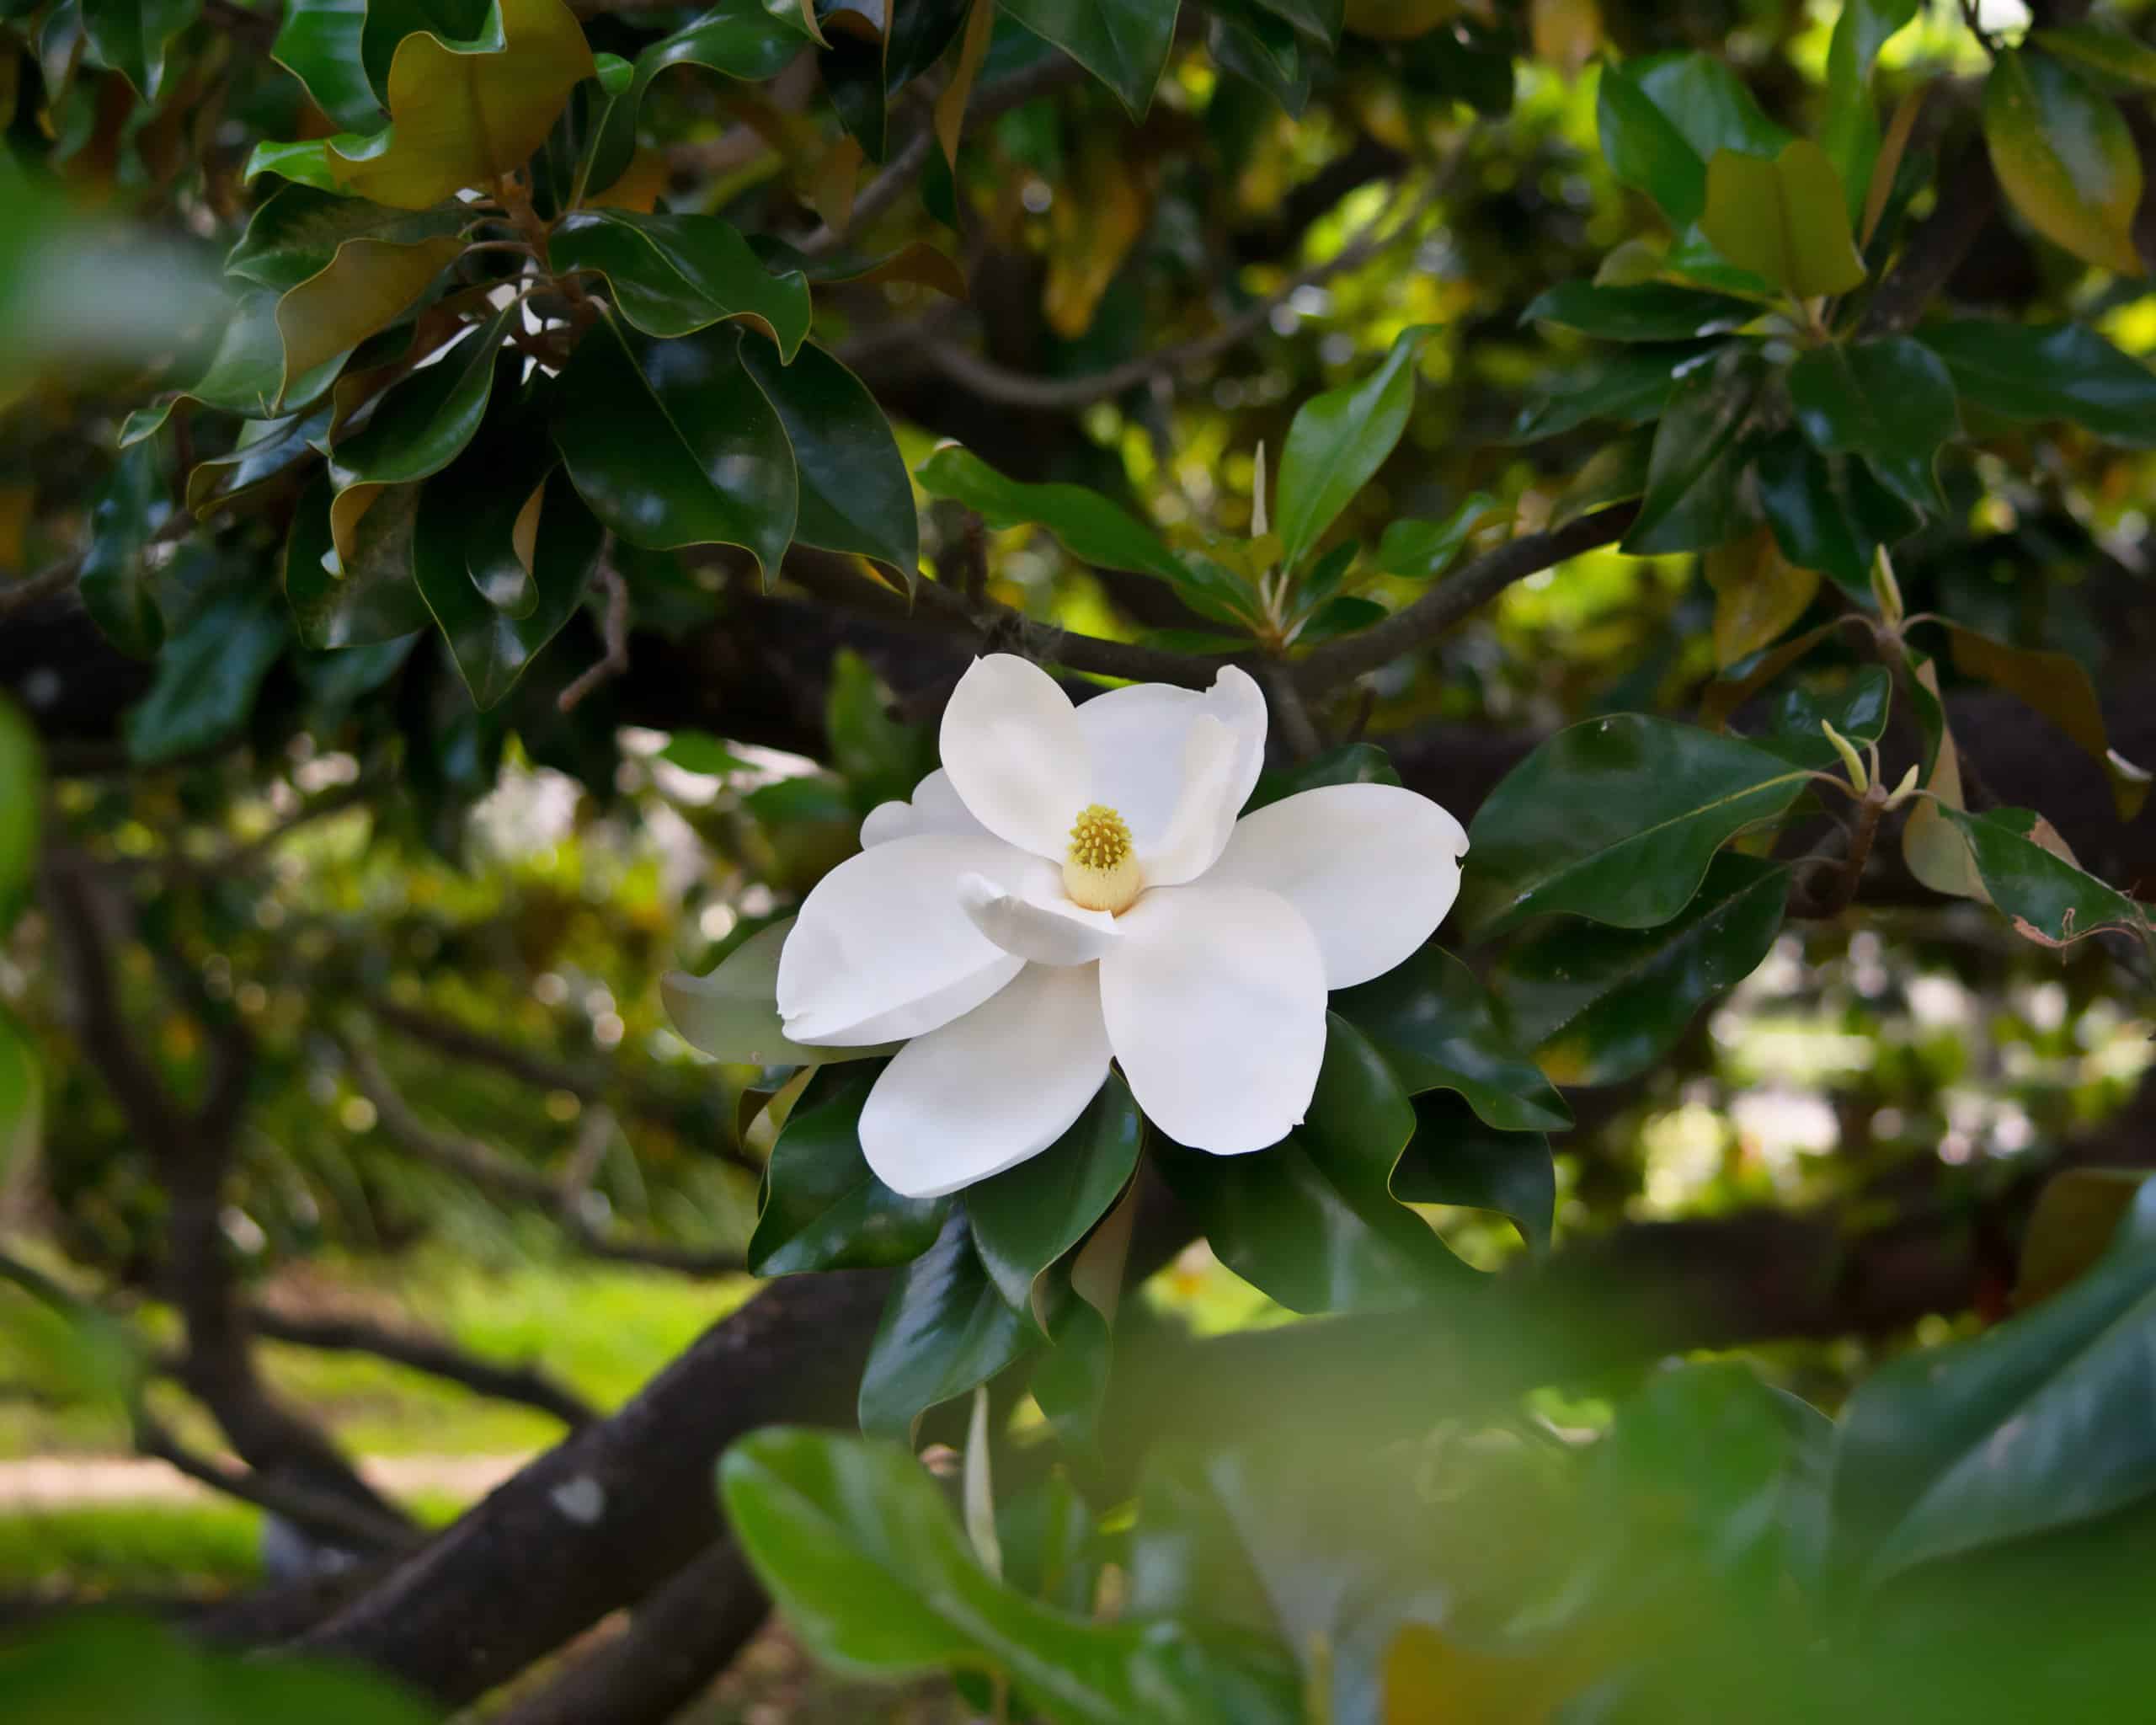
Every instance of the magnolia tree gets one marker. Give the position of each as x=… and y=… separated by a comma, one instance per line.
x=1149, y=630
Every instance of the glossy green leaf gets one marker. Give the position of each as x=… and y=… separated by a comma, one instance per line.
x=22, y=808
x=2064, y=157
x=363, y=599
x=672, y=444
x=2038, y=1424
x=1312, y=1220
x=2049, y=371
x=1603, y=1004
x=945, y=1328
x=246, y=373
x=1025, y=1218
x=1460, y=1160
x=318, y=43
x=1351, y=764
x=492, y=649
x=2109, y=57
x=822, y=1209
x=1632, y=384
x=1890, y=401
x=855, y=495
x=207, y=676
x=1786, y=220
x=674, y=275
x=2047, y=898
x=2058, y=686
x=739, y=39
x=1252, y=43
x=1692, y=500
x=861, y=1551
x=131, y=36
x=1423, y=551
x=367, y=284
x=1318, y=19
x=1662, y=119
x=1090, y=527
x=2077, y=1216
x=1827, y=512
x=296, y=232
x=1336, y=445
x=1651, y=311
x=1616, y=820
x=1438, y=1030
x=388, y=22
x=1849, y=134
x=732, y=1014
x=1857, y=709
x=1123, y=43
x=269, y=452
x=1759, y=595
x=117, y=586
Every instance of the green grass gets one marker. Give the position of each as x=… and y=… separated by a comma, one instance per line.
x=197, y=1547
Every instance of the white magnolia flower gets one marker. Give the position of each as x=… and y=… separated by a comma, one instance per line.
x=1073, y=887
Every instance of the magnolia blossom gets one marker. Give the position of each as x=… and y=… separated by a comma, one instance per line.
x=1073, y=887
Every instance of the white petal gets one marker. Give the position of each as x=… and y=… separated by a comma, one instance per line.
x=991, y=1089
x=1038, y=923
x=1373, y=868
x=1137, y=736
x=1205, y=807
x=1215, y=1004
x=883, y=934
x=935, y=808
x=1015, y=754
x=930, y=1012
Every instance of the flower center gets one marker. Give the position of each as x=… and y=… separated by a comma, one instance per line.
x=1101, y=871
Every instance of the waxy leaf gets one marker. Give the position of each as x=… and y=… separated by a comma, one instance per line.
x=865, y=1559
x=1438, y=1030
x=245, y=374
x=1662, y=118
x=207, y=676
x=1091, y=528
x=1649, y=311
x=2038, y=1424
x=1312, y=1220
x=822, y=1209
x=1336, y=445
x=318, y=43
x=1857, y=709
x=2048, y=898
x=676, y=275
x=1630, y=385
x=1025, y=1219
x=1786, y=220
x=389, y=22
x=855, y=495
x=1123, y=43
x=945, y=1328
x=1827, y=512
x=1890, y=401
x=131, y=36
x=115, y=584
x=1603, y=1004
x=1422, y=551
x=1458, y=1159
x=1849, y=133
x=268, y=453
x=1692, y=502
x=2049, y=371
x=366, y=596
x=1617, y=820
x=733, y=1014
x=2110, y=58
x=363, y=288
x=2077, y=1216
x=672, y=444
x=1759, y=595
x=2064, y=157
x=295, y=233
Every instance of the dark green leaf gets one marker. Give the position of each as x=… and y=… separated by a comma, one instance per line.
x=2049, y=371
x=388, y=22
x=854, y=493
x=246, y=375
x=1092, y=529
x=1345, y=615
x=1850, y=131
x=1604, y=1004
x=1438, y=1030
x=1251, y=44
x=2049, y=898
x=1124, y=43
x=494, y=650
x=1025, y=1219
x=269, y=450
x=1786, y=220
x=2112, y=58
x=117, y=584
x=1632, y=384
x=1617, y=820
x=822, y=1209
x=1661, y=120
x=676, y=275
x=366, y=599
x=1422, y=551
x=1649, y=311
x=296, y=232
x=1692, y=500
x=1318, y=19
x=319, y=45
x=131, y=36
x=945, y=1328
x=1890, y=401
x=1313, y=1221
x=1458, y=1159
x=207, y=676
x=2065, y=158
x=1337, y=442
x=2038, y=1424
x=858, y=1547
x=1857, y=709
x=1827, y=512
x=672, y=444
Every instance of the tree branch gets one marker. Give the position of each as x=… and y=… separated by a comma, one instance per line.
x=327, y=1514
x=48, y=583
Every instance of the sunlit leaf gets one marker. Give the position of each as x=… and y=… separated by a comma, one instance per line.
x=2065, y=158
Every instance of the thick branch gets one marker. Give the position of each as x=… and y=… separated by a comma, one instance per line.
x=431, y=1355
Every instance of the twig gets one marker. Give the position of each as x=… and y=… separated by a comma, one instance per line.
x=322, y=1513
x=47, y=583
x=1295, y=722
x=614, y=633
x=431, y=1355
